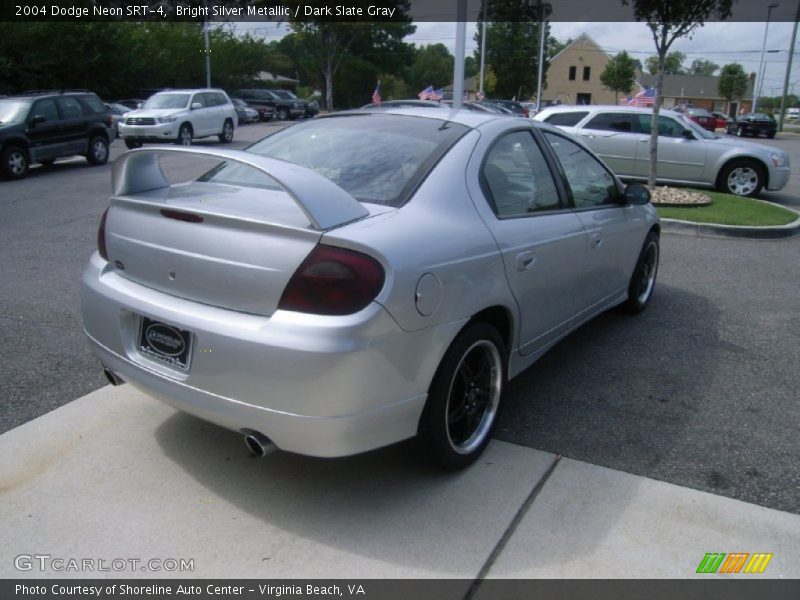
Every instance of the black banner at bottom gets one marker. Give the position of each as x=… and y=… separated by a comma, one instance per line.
x=399, y=589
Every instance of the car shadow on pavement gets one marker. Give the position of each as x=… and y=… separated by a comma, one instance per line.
x=618, y=392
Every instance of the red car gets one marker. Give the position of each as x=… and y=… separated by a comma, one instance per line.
x=703, y=118
x=722, y=119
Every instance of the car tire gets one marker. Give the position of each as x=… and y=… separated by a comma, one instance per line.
x=742, y=177
x=130, y=144
x=282, y=114
x=98, y=151
x=770, y=136
x=184, y=135
x=15, y=162
x=643, y=279
x=464, y=398
x=226, y=137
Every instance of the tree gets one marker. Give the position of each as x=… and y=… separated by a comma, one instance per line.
x=512, y=46
x=673, y=65
x=703, y=67
x=669, y=20
x=619, y=74
x=732, y=82
x=433, y=65
x=329, y=42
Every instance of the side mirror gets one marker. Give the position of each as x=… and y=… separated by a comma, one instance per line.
x=687, y=133
x=637, y=194
x=196, y=105
x=139, y=104
x=36, y=119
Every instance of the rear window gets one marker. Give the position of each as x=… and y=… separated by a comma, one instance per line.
x=566, y=119
x=94, y=104
x=376, y=158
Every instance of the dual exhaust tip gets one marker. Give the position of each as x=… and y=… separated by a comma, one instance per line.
x=258, y=444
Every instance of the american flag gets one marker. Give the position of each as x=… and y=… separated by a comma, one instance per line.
x=426, y=93
x=436, y=94
x=646, y=97
x=376, y=95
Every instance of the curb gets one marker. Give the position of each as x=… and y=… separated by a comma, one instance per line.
x=767, y=232
x=737, y=231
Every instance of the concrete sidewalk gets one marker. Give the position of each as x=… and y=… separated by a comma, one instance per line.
x=116, y=475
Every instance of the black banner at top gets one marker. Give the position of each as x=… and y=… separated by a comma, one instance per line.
x=360, y=10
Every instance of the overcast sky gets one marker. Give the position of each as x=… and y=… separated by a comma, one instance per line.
x=721, y=43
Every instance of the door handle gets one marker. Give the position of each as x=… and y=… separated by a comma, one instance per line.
x=525, y=260
x=597, y=240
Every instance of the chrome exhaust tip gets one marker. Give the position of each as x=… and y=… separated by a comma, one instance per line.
x=259, y=444
x=112, y=377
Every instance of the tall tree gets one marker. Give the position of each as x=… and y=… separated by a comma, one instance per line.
x=329, y=42
x=619, y=74
x=433, y=65
x=732, y=82
x=512, y=46
x=669, y=20
x=673, y=64
x=703, y=67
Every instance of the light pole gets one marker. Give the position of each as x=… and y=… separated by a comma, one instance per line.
x=789, y=69
x=542, y=12
x=757, y=87
x=458, y=66
x=483, y=48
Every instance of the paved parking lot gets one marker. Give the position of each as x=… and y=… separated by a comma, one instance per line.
x=700, y=390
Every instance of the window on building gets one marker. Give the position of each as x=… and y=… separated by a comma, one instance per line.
x=572, y=73
x=587, y=72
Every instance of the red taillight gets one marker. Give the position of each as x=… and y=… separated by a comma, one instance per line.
x=526, y=113
x=101, y=236
x=333, y=281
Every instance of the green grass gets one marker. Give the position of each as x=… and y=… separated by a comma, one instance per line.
x=728, y=209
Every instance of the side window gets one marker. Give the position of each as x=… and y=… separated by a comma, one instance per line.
x=572, y=72
x=516, y=178
x=667, y=127
x=591, y=183
x=70, y=108
x=222, y=100
x=587, y=73
x=46, y=108
x=622, y=122
x=201, y=98
x=566, y=119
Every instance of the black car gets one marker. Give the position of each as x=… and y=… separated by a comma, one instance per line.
x=753, y=124
x=310, y=107
x=269, y=104
x=43, y=126
x=512, y=105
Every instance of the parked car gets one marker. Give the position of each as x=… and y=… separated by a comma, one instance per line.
x=515, y=107
x=409, y=103
x=687, y=153
x=702, y=117
x=131, y=103
x=244, y=112
x=117, y=112
x=45, y=126
x=753, y=124
x=283, y=294
x=310, y=107
x=722, y=119
x=792, y=114
x=180, y=116
x=272, y=103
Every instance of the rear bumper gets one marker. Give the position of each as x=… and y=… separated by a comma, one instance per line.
x=321, y=386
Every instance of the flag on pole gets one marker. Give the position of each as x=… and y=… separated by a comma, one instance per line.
x=647, y=97
x=436, y=94
x=376, y=95
x=426, y=93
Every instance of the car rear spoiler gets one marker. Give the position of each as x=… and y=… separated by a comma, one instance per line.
x=324, y=203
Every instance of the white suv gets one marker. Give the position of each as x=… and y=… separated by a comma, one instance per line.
x=180, y=116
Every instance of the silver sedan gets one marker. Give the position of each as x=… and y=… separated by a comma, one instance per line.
x=687, y=153
x=363, y=278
